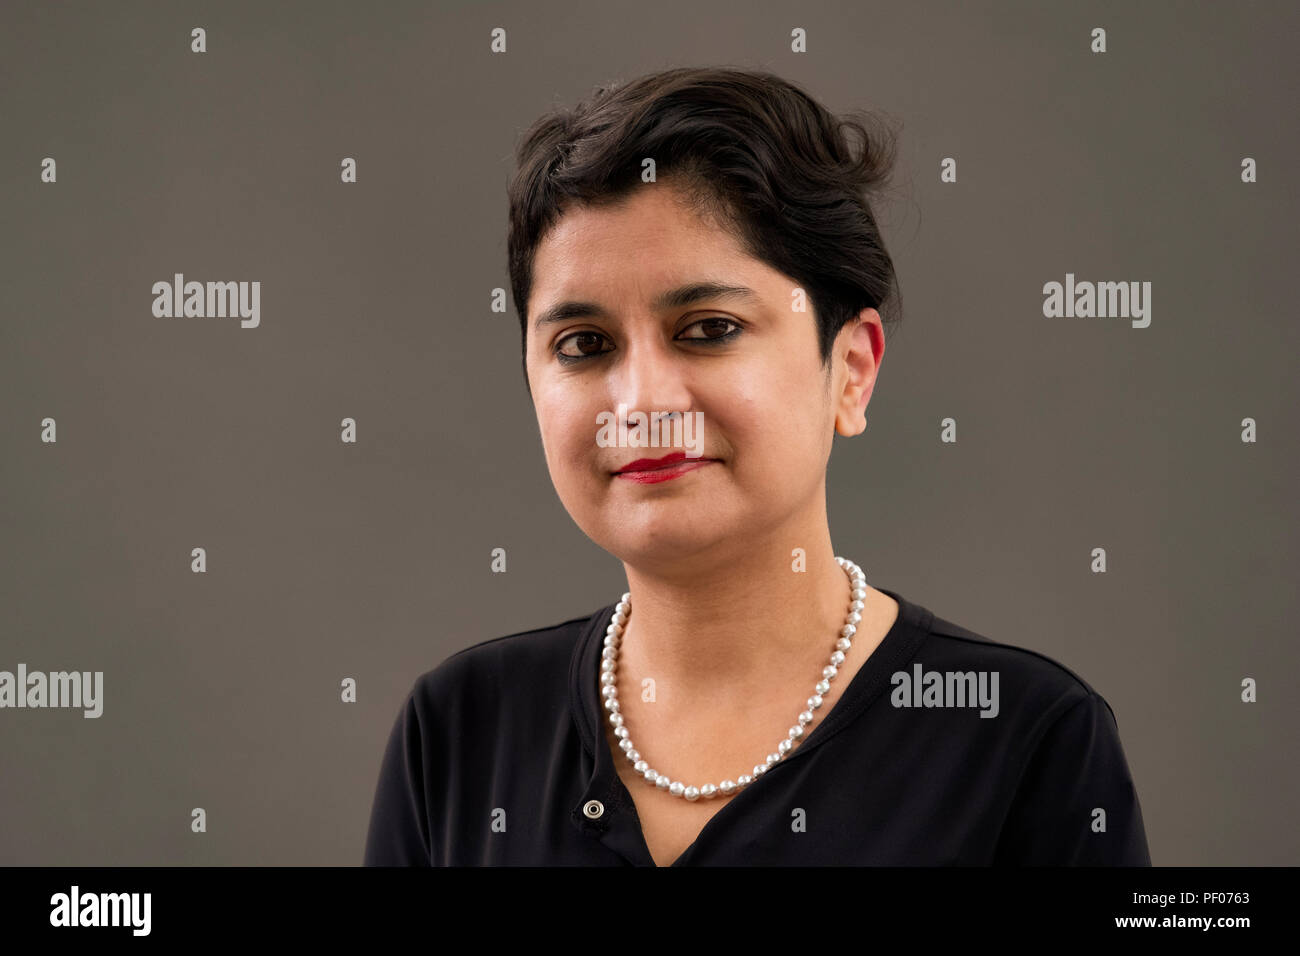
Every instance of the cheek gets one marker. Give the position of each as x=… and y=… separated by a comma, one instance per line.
x=765, y=405
x=774, y=426
x=568, y=439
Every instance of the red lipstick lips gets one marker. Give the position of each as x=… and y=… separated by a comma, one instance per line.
x=652, y=470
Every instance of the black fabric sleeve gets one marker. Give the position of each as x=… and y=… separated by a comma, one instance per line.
x=1077, y=767
x=399, y=820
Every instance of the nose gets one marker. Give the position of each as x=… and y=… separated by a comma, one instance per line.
x=652, y=378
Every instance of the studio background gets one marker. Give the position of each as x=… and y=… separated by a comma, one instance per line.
x=372, y=561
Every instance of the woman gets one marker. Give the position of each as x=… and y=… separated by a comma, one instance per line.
x=695, y=252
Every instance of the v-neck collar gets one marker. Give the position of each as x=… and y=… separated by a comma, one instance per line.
x=618, y=826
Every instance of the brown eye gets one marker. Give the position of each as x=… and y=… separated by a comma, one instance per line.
x=586, y=343
x=715, y=329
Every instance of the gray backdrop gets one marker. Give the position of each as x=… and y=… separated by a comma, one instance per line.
x=328, y=560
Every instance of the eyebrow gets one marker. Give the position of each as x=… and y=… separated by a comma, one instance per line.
x=687, y=294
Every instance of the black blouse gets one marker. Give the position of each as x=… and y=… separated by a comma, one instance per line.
x=498, y=756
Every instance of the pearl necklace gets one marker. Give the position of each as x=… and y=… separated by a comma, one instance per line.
x=609, y=665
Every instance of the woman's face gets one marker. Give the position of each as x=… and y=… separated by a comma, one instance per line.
x=768, y=410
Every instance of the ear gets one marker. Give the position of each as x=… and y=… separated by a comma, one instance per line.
x=857, y=353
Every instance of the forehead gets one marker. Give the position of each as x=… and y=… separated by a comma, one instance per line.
x=642, y=243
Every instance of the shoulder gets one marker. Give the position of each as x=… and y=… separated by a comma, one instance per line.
x=510, y=665
x=1068, y=796
x=1035, y=689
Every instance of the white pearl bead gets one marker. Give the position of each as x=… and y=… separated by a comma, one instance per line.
x=635, y=756
x=620, y=732
x=805, y=718
x=784, y=747
x=849, y=630
x=727, y=787
x=611, y=703
x=641, y=767
x=837, y=658
x=796, y=731
x=676, y=788
x=744, y=780
x=650, y=775
x=822, y=687
x=708, y=791
x=843, y=644
x=625, y=744
x=691, y=793
x=814, y=701
x=829, y=671
x=759, y=770
x=661, y=781
x=616, y=720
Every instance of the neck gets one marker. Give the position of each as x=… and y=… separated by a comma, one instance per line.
x=725, y=626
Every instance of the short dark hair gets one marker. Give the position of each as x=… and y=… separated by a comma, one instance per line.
x=749, y=147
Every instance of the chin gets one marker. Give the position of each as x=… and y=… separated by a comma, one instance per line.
x=666, y=538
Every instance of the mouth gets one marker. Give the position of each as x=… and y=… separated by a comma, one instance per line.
x=651, y=470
